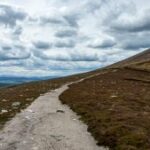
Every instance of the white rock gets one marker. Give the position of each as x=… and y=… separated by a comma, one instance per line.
x=30, y=110
x=4, y=100
x=24, y=142
x=4, y=111
x=15, y=104
x=114, y=96
x=27, y=117
x=30, y=99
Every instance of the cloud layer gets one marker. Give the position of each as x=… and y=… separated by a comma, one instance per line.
x=60, y=37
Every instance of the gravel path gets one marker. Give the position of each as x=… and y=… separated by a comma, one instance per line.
x=47, y=125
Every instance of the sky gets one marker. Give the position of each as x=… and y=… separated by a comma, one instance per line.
x=62, y=37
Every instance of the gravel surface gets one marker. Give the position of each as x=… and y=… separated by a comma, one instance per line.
x=47, y=125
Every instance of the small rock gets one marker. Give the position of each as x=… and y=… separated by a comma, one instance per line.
x=31, y=138
x=24, y=142
x=4, y=100
x=60, y=111
x=4, y=111
x=115, y=70
x=74, y=119
x=29, y=99
x=30, y=110
x=15, y=104
x=27, y=117
x=114, y=96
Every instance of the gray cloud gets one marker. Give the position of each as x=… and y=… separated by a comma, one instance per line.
x=41, y=45
x=18, y=31
x=62, y=64
x=84, y=58
x=9, y=16
x=66, y=33
x=5, y=47
x=138, y=24
x=73, y=56
x=138, y=27
x=15, y=52
x=130, y=29
x=136, y=44
x=10, y=56
x=50, y=20
x=65, y=44
x=72, y=20
x=131, y=40
x=62, y=20
x=19, y=47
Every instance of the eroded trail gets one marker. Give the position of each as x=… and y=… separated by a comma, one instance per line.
x=47, y=125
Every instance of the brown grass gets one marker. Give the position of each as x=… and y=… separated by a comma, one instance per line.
x=116, y=110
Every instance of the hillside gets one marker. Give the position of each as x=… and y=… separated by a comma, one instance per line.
x=138, y=60
x=116, y=104
x=114, y=101
x=3, y=85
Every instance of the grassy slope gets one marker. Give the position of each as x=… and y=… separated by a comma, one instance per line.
x=114, y=104
x=116, y=107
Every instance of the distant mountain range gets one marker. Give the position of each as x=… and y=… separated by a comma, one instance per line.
x=8, y=80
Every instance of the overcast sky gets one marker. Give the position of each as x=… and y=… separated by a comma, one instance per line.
x=61, y=37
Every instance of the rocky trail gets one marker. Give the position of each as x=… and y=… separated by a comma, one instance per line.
x=47, y=125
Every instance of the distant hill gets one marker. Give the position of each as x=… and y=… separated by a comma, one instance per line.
x=4, y=85
x=6, y=81
x=115, y=103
